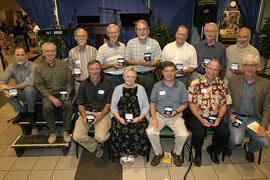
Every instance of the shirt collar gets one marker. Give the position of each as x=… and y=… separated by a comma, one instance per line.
x=203, y=80
x=164, y=85
x=184, y=45
x=101, y=79
x=205, y=43
x=111, y=46
x=25, y=66
x=147, y=38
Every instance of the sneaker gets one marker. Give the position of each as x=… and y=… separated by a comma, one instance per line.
x=177, y=159
x=52, y=138
x=100, y=150
x=66, y=136
x=156, y=159
x=249, y=155
x=19, y=117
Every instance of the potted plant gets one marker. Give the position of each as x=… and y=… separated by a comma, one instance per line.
x=264, y=45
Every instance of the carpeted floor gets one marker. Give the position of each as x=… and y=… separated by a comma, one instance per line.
x=90, y=167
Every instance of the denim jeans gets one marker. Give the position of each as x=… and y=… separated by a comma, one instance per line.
x=238, y=134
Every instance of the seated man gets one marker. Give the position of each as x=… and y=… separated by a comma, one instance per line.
x=55, y=83
x=251, y=103
x=94, y=101
x=22, y=71
x=168, y=100
x=208, y=98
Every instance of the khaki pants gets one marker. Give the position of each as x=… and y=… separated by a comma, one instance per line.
x=80, y=133
x=177, y=124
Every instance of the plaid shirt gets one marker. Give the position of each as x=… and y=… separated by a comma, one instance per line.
x=209, y=98
x=80, y=58
x=135, y=50
x=51, y=79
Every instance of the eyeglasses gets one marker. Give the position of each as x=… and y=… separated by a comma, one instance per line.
x=113, y=32
x=250, y=65
x=211, y=31
x=142, y=29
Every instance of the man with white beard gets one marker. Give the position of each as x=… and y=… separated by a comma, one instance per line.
x=22, y=71
x=79, y=57
x=237, y=52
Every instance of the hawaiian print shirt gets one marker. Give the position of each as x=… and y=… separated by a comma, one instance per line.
x=209, y=98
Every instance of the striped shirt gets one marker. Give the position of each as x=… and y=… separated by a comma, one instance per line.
x=80, y=58
x=136, y=50
x=51, y=79
x=107, y=54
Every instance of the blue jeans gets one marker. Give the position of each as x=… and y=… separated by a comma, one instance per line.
x=114, y=79
x=238, y=134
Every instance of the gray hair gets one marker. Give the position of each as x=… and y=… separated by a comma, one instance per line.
x=254, y=58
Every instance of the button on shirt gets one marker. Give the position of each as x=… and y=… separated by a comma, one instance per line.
x=163, y=95
x=80, y=58
x=246, y=106
x=204, y=51
x=208, y=98
x=108, y=54
x=136, y=50
x=94, y=97
x=185, y=55
x=24, y=76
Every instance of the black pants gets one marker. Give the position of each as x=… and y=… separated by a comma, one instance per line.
x=219, y=139
x=147, y=81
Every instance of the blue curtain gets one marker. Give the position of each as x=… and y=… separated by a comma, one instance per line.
x=174, y=13
x=40, y=11
x=249, y=9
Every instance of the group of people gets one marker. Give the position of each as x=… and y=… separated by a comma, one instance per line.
x=116, y=91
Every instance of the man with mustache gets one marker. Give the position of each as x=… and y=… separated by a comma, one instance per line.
x=79, y=57
x=22, y=71
x=236, y=53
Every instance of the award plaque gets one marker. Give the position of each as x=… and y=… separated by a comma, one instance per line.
x=77, y=71
x=90, y=118
x=168, y=110
x=179, y=67
x=63, y=94
x=234, y=66
x=212, y=119
x=147, y=57
x=13, y=92
x=121, y=61
x=128, y=118
x=206, y=61
x=237, y=123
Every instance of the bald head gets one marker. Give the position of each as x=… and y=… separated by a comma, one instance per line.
x=243, y=37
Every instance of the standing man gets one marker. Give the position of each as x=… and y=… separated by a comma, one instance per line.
x=237, y=52
x=182, y=54
x=251, y=104
x=209, y=49
x=79, y=56
x=22, y=71
x=168, y=100
x=208, y=98
x=93, y=99
x=144, y=54
x=111, y=54
x=53, y=79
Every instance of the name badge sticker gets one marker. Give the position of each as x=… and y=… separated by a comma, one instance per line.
x=148, y=47
x=27, y=78
x=204, y=91
x=77, y=61
x=100, y=91
x=162, y=93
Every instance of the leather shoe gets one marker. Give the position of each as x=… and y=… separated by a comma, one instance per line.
x=176, y=159
x=213, y=155
x=249, y=155
x=19, y=117
x=228, y=152
x=156, y=159
x=197, y=161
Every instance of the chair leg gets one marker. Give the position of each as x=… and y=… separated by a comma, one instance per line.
x=183, y=154
x=260, y=156
x=77, y=150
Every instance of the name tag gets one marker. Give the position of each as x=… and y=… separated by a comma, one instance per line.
x=129, y=118
x=148, y=47
x=13, y=92
x=234, y=66
x=206, y=61
x=27, y=78
x=179, y=67
x=77, y=61
x=162, y=93
x=100, y=91
x=77, y=71
x=90, y=118
x=204, y=91
x=147, y=56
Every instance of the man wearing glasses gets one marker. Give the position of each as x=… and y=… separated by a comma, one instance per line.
x=144, y=54
x=208, y=49
x=208, y=99
x=251, y=106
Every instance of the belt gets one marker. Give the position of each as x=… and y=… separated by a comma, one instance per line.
x=92, y=110
x=144, y=73
x=78, y=81
x=113, y=74
x=245, y=115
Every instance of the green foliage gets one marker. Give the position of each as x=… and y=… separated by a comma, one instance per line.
x=162, y=33
x=56, y=39
x=264, y=39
